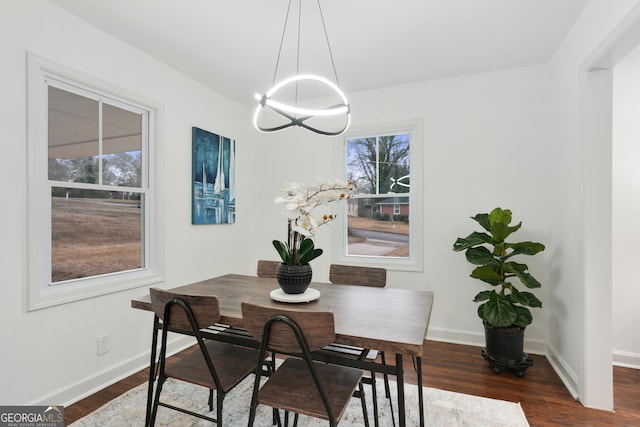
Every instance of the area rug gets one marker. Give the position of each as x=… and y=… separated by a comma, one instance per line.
x=442, y=408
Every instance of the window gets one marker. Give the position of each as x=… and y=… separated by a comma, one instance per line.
x=383, y=223
x=90, y=188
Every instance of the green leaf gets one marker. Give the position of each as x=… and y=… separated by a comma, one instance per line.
x=308, y=252
x=524, y=248
x=498, y=312
x=282, y=251
x=481, y=311
x=527, y=298
x=500, y=216
x=483, y=220
x=487, y=274
x=499, y=221
x=520, y=271
x=309, y=256
x=524, y=317
x=306, y=248
x=517, y=296
x=481, y=256
x=472, y=239
x=483, y=296
x=512, y=267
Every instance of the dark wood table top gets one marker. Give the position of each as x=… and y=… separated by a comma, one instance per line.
x=388, y=319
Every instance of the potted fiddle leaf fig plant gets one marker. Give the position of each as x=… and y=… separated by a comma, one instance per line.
x=504, y=309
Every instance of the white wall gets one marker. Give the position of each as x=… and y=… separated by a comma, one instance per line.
x=626, y=211
x=486, y=144
x=49, y=356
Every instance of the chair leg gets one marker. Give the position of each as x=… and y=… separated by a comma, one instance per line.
x=363, y=401
x=393, y=417
x=254, y=395
x=387, y=392
x=219, y=408
x=156, y=401
x=374, y=396
x=153, y=367
x=286, y=419
x=271, y=367
x=210, y=399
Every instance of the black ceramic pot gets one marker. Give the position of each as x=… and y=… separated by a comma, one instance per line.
x=294, y=279
x=505, y=344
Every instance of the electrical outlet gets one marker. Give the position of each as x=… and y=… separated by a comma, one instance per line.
x=103, y=344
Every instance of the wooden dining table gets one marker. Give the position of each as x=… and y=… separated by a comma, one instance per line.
x=388, y=319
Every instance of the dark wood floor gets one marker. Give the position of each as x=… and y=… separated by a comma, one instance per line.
x=459, y=368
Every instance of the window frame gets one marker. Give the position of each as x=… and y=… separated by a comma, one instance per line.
x=41, y=293
x=415, y=261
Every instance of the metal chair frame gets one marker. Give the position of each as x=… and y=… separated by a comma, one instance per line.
x=162, y=377
x=308, y=358
x=378, y=275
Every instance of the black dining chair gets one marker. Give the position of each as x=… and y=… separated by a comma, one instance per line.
x=360, y=276
x=215, y=365
x=300, y=384
x=267, y=268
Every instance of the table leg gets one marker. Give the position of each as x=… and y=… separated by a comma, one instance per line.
x=152, y=367
x=402, y=422
x=420, y=396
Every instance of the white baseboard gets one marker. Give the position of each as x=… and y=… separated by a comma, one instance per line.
x=566, y=374
x=626, y=359
x=477, y=340
x=74, y=392
x=81, y=389
x=455, y=337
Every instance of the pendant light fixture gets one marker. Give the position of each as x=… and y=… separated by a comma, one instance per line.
x=281, y=102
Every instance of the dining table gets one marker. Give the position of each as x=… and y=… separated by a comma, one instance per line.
x=393, y=320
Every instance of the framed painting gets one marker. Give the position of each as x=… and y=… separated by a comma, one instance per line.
x=213, y=180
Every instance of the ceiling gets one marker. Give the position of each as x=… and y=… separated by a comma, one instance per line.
x=231, y=46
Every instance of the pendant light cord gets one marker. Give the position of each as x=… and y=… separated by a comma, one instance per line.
x=324, y=27
x=284, y=30
x=298, y=50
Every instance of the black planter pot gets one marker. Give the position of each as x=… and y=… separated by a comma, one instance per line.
x=504, y=349
x=294, y=279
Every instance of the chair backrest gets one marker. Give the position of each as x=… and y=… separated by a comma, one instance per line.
x=317, y=328
x=356, y=275
x=267, y=268
x=205, y=309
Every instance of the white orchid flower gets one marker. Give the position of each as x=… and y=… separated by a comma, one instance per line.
x=299, y=202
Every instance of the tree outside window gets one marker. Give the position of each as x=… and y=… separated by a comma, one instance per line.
x=378, y=222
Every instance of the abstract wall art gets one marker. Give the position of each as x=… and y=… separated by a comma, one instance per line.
x=213, y=180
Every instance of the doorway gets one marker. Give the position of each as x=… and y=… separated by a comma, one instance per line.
x=596, y=177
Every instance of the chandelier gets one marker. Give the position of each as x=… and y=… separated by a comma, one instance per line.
x=282, y=105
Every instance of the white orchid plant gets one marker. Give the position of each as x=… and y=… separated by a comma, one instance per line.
x=300, y=201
